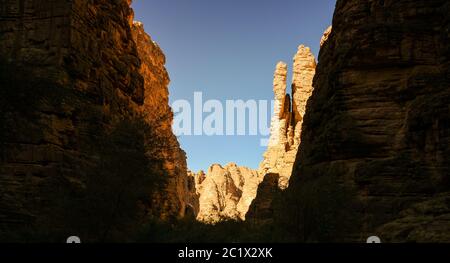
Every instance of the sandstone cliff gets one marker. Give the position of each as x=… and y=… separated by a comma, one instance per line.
x=225, y=192
x=286, y=123
x=261, y=210
x=193, y=194
x=375, y=139
x=85, y=119
x=171, y=200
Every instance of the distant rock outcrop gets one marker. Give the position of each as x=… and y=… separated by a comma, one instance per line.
x=286, y=124
x=225, y=192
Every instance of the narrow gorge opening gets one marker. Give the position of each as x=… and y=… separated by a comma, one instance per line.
x=116, y=133
x=226, y=191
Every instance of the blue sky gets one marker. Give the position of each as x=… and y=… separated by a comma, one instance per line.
x=228, y=50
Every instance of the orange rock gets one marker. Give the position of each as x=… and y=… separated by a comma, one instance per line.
x=226, y=192
x=286, y=123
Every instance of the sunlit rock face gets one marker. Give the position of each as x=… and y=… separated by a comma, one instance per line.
x=225, y=192
x=262, y=207
x=377, y=123
x=110, y=70
x=286, y=123
x=325, y=36
x=173, y=198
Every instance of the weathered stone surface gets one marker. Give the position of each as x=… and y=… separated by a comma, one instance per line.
x=427, y=221
x=90, y=49
x=325, y=36
x=156, y=109
x=378, y=120
x=261, y=210
x=193, y=194
x=226, y=192
x=286, y=123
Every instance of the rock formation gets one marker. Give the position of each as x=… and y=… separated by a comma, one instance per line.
x=89, y=76
x=325, y=36
x=286, y=123
x=173, y=198
x=377, y=124
x=225, y=192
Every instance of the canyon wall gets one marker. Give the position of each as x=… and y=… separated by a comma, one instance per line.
x=375, y=141
x=262, y=207
x=173, y=198
x=85, y=117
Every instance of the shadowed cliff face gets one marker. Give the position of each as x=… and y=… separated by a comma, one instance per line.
x=377, y=127
x=85, y=123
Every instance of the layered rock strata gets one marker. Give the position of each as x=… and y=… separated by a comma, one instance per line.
x=174, y=198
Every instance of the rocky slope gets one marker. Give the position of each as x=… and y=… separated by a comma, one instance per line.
x=286, y=123
x=84, y=98
x=376, y=136
x=225, y=192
